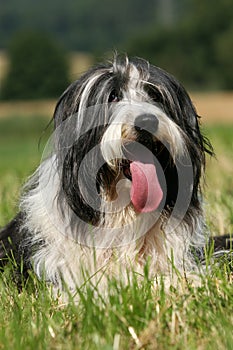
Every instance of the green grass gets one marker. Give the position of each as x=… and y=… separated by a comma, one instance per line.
x=136, y=315
x=219, y=180
x=21, y=147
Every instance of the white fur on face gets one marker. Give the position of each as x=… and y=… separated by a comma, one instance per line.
x=125, y=113
x=62, y=259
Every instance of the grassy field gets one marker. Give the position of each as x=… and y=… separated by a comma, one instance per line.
x=136, y=316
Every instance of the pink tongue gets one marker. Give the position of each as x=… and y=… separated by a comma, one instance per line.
x=146, y=193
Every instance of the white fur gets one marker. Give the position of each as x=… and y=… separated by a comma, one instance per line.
x=63, y=259
x=125, y=113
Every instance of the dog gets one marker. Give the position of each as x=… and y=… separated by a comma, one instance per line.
x=120, y=182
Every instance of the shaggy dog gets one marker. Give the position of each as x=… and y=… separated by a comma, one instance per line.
x=119, y=184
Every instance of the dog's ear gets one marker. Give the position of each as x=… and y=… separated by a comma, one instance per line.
x=185, y=115
x=79, y=188
x=179, y=107
x=176, y=102
x=67, y=104
x=190, y=121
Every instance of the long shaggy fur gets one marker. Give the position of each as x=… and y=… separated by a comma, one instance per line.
x=77, y=220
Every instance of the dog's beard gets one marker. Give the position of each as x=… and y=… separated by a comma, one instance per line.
x=140, y=144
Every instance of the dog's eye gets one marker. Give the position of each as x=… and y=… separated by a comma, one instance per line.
x=154, y=94
x=113, y=97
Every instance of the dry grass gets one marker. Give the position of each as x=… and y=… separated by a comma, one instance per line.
x=214, y=108
x=3, y=65
x=43, y=108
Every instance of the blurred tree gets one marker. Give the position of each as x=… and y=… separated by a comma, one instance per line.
x=224, y=53
x=198, y=49
x=83, y=25
x=38, y=68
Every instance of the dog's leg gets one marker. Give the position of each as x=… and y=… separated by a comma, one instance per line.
x=10, y=238
x=223, y=248
x=224, y=242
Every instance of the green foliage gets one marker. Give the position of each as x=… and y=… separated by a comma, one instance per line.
x=84, y=25
x=197, y=49
x=38, y=68
x=190, y=38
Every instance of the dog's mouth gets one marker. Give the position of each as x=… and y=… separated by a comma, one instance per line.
x=125, y=165
x=146, y=192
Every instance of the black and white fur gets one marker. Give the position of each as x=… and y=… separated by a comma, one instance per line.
x=76, y=221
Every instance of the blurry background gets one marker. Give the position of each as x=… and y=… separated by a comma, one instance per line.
x=190, y=38
x=44, y=45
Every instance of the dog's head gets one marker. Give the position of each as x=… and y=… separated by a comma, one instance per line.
x=133, y=122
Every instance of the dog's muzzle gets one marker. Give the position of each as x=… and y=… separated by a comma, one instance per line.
x=146, y=193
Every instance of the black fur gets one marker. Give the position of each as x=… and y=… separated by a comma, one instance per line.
x=70, y=147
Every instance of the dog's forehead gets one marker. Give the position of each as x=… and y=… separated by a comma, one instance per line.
x=132, y=79
x=129, y=72
x=134, y=87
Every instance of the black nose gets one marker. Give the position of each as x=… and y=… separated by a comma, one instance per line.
x=147, y=121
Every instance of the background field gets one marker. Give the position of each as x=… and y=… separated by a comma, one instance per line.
x=135, y=316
